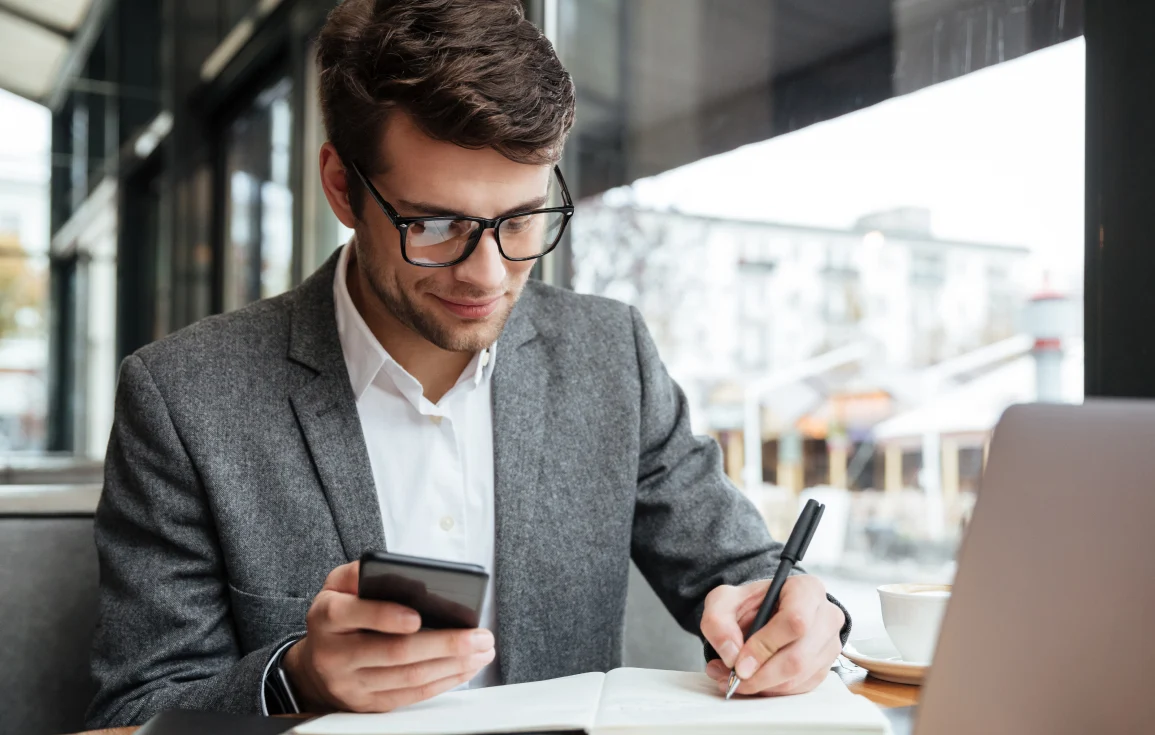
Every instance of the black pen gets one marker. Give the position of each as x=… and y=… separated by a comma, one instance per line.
x=792, y=552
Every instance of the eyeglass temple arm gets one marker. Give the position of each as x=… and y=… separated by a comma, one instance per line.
x=385, y=206
x=564, y=188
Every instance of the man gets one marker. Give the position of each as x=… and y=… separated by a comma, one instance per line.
x=420, y=394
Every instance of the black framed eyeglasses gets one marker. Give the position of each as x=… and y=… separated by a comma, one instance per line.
x=439, y=242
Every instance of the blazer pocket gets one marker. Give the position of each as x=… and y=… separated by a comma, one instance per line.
x=264, y=619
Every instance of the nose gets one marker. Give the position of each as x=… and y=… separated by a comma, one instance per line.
x=484, y=268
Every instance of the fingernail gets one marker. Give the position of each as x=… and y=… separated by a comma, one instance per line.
x=746, y=667
x=715, y=669
x=411, y=620
x=729, y=652
x=482, y=640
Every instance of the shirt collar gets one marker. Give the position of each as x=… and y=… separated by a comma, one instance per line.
x=364, y=355
x=481, y=368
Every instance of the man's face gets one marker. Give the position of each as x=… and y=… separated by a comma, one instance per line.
x=461, y=308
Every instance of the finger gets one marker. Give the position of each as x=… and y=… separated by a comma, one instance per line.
x=720, y=618
x=391, y=700
x=427, y=645
x=717, y=670
x=797, y=607
x=789, y=688
x=802, y=685
x=798, y=661
x=344, y=578
x=387, y=678
x=338, y=612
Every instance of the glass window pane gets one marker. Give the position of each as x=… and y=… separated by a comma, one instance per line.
x=855, y=231
x=259, y=235
x=24, y=128
x=323, y=232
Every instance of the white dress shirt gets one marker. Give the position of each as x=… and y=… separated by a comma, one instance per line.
x=432, y=462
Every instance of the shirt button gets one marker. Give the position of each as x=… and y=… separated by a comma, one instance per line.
x=484, y=358
x=436, y=420
x=447, y=523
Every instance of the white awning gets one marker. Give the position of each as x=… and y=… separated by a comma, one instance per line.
x=35, y=36
x=975, y=407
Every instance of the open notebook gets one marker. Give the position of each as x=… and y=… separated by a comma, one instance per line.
x=634, y=701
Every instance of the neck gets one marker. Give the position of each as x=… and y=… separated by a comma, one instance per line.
x=436, y=369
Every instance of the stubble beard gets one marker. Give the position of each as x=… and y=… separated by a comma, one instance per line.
x=465, y=337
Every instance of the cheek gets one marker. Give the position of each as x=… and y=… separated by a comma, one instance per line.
x=519, y=271
x=380, y=252
x=382, y=239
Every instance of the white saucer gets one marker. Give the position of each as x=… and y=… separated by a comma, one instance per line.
x=883, y=661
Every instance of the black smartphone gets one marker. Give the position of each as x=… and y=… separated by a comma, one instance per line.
x=446, y=594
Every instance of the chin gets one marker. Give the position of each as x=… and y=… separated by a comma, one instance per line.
x=455, y=334
x=469, y=340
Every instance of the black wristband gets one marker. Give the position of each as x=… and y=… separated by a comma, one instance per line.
x=278, y=689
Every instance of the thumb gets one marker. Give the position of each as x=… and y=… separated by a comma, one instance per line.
x=344, y=578
x=720, y=621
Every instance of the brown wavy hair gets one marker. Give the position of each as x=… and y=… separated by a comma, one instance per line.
x=475, y=73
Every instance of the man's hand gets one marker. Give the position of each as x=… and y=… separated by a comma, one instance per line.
x=369, y=656
x=794, y=650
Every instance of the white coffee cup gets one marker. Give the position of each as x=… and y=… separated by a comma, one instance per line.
x=912, y=615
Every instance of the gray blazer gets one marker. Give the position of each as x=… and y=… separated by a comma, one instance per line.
x=237, y=478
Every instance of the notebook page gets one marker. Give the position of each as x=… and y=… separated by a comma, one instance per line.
x=643, y=700
x=568, y=703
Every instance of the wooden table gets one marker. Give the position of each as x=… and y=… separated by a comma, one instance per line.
x=882, y=693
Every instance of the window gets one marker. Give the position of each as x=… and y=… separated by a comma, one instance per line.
x=259, y=234
x=24, y=129
x=899, y=180
x=9, y=225
x=323, y=232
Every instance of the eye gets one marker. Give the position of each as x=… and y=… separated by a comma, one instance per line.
x=460, y=227
x=518, y=223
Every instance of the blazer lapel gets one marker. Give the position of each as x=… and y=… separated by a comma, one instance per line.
x=519, y=391
x=326, y=409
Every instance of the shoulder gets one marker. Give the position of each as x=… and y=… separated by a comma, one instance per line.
x=591, y=335
x=222, y=345
x=566, y=315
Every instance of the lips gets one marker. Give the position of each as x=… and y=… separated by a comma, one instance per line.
x=470, y=309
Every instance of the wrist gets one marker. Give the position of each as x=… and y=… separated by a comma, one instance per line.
x=300, y=676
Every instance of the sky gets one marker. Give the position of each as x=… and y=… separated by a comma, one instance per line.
x=996, y=155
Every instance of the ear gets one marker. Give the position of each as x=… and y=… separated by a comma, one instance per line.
x=336, y=185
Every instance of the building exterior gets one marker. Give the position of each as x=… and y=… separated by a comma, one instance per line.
x=819, y=334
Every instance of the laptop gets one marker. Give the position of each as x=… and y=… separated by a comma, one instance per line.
x=1051, y=626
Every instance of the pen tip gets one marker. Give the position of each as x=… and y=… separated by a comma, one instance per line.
x=734, y=681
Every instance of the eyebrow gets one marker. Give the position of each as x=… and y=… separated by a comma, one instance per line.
x=434, y=210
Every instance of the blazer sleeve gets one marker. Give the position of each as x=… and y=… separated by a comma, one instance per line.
x=165, y=637
x=693, y=530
